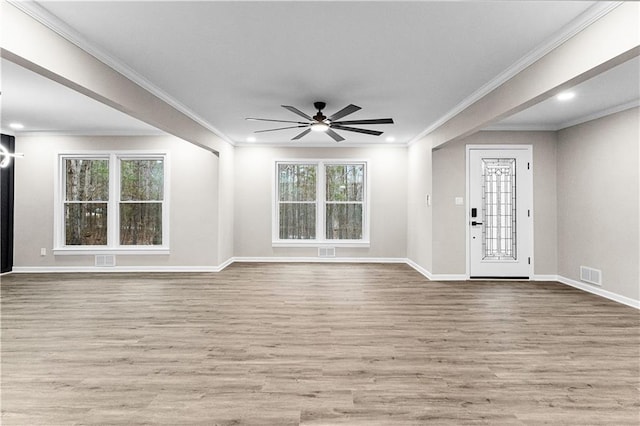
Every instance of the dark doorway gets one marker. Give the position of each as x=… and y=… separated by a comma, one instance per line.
x=6, y=208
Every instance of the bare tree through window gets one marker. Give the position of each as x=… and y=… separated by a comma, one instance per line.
x=321, y=196
x=344, y=204
x=112, y=200
x=297, y=201
x=141, y=195
x=86, y=200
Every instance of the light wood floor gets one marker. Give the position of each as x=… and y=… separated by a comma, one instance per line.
x=313, y=344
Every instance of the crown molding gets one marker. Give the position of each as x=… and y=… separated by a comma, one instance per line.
x=92, y=133
x=581, y=22
x=559, y=126
x=322, y=144
x=515, y=127
x=600, y=114
x=40, y=14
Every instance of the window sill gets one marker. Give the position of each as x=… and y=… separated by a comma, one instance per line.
x=315, y=243
x=68, y=251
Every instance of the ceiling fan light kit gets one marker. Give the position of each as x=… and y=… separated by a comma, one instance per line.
x=319, y=127
x=321, y=123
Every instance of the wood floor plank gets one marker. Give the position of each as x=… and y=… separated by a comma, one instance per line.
x=313, y=344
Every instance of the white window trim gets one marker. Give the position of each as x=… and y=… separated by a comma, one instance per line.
x=320, y=240
x=112, y=247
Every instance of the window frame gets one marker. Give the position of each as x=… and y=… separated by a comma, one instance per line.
x=113, y=245
x=321, y=202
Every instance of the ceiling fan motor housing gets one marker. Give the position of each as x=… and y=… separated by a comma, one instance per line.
x=319, y=106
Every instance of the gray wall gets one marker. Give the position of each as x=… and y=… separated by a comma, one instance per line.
x=449, y=174
x=226, y=195
x=419, y=214
x=586, y=215
x=387, y=168
x=598, y=210
x=193, y=204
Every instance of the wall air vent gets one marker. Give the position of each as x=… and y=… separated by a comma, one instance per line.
x=590, y=275
x=105, y=260
x=326, y=252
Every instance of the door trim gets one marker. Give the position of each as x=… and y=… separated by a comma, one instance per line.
x=470, y=147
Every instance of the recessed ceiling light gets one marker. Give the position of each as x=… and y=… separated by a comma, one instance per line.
x=16, y=126
x=251, y=139
x=391, y=139
x=565, y=96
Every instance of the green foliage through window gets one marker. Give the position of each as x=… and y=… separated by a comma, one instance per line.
x=341, y=200
x=85, y=201
x=139, y=193
x=141, y=180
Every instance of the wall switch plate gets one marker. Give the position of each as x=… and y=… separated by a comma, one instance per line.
x=43, y=251
x=427, y=199
x=459, y=201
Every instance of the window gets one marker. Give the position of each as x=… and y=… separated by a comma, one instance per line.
x=344, y=201
x=141, y=193
x=113, y=202
x=86, y=201
x=297, y=189
x=320, y=202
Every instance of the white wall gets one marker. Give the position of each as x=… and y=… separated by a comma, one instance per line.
x=449, y=177
x=193, y=204
x=226, y=216
x=598, y=211
x=419, y=215
x=254, y=169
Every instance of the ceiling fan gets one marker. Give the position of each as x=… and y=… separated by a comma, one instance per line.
x=321, y=123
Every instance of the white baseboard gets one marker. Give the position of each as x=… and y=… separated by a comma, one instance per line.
x=91, y=269
x=420, y=269
x=436, y=277
x=321, y=259
x=553, y=278
x=224, y=264
x=600, y=292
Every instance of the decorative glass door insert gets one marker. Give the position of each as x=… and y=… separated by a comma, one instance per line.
x=499, y=238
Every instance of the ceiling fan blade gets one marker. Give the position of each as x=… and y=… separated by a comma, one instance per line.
x=275, y=121
x=280, y=128
x=349, y=109
x=371, y=121
x=353, y=129
x=336, y=137
x=301, y=135
x=297, y=111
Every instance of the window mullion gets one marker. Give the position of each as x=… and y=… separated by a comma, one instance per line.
x=114, y=198
x=320, y=203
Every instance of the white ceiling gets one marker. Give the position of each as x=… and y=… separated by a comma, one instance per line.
x=609, y=92
x=43, y=105
x=224, y=61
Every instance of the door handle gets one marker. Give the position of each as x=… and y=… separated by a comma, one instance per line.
x=474, y=223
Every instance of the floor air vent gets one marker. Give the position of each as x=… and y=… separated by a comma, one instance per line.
x=103, y=260
x=326, y=252
x=590, y=275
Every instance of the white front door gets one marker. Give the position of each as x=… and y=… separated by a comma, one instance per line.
x=500, y=222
